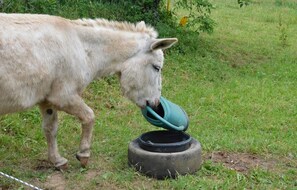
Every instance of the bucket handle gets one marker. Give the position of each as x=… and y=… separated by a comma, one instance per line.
x=178, y=128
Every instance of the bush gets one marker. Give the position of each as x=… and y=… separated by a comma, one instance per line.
x=198, y=14
x=150, y=11
x=153, y=12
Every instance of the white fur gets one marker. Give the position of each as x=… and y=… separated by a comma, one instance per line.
x=49, y=61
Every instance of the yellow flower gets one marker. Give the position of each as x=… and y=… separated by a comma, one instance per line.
x=183, y=21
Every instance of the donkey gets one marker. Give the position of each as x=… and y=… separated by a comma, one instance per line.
x=48, y=61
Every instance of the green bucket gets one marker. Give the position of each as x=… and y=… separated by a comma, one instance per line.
x=167, y=115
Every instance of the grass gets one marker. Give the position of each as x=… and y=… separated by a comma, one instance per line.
x=237, y=85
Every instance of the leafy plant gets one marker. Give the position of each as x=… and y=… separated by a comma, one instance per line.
x=198, y=17
x=153, y=12
x=29, y=6
x=40, y=6
x=243, y=2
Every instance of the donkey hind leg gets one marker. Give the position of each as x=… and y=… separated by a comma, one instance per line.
x=50, y=127
x=85, y=114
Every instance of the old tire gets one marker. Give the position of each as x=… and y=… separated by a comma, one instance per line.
x=165, y=165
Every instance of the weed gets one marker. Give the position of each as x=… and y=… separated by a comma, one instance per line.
x=283, y=29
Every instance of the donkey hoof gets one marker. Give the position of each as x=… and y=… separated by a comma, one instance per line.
x=83, y=160
x=62, y=167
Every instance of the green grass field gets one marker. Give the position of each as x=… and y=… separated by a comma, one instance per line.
x=238, y=86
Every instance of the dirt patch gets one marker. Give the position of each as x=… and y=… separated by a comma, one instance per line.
x=55, y=181
x=108, y=186
x=43, y=165
x=241, y=162
x=5, y=187
x=95, y=175
x=91, y=174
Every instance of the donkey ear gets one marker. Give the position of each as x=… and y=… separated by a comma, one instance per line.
x=163, y=43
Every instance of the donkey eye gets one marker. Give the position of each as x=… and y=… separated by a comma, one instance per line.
x=157, y=68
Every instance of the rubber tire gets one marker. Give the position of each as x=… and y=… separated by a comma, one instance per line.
x=165, y=165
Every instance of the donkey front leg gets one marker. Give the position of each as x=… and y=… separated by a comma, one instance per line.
x=50, y=127
x=85, y=114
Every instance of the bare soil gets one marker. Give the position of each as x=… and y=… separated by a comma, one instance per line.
x=55, y=181
x=241, y=162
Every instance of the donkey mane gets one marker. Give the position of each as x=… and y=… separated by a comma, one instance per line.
x=140, y=27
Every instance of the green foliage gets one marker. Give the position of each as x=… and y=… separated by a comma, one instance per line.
x=243, y=2
x=147, y=10
x=198, y=14
x=151, y=11
x=33, y=6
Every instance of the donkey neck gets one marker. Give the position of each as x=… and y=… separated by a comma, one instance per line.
x=108, y=47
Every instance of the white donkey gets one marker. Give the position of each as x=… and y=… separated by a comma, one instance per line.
x=49, y=61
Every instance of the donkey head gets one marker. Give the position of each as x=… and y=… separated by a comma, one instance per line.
x=141, y=78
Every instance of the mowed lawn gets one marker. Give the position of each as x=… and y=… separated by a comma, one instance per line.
x=238, y=86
